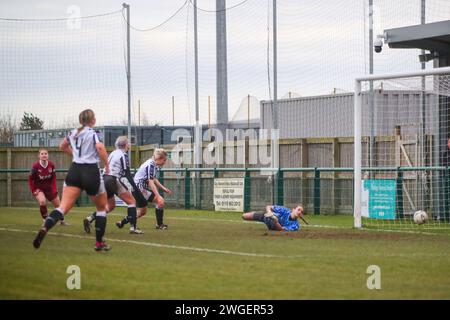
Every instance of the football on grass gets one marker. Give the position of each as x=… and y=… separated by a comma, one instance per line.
x=420, y=217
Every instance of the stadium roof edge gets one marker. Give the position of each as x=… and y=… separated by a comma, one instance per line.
x=433, y=36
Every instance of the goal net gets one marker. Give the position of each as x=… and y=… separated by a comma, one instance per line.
x=402, y=150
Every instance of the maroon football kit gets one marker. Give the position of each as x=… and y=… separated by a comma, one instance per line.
x=44, y=179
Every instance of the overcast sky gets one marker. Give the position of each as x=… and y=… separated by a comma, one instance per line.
x=55, y=68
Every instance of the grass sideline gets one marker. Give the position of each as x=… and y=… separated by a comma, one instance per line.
x=209, y=255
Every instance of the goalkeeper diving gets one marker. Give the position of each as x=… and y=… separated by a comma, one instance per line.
x=278, y=218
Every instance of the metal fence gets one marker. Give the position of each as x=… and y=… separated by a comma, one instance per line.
x=320, y=190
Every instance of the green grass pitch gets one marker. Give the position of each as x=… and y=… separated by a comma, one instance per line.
x=209, y=255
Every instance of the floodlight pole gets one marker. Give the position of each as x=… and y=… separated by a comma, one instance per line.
x=173, y=110
x=275, y=80
x=275, y=101
x=248, y=111
x=127, y=8
x=221, y=67
x=198, y=129
x=196, y=63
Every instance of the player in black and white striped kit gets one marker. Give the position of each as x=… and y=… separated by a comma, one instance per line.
x=119, y=167
x=146, y=178
x=84, y=145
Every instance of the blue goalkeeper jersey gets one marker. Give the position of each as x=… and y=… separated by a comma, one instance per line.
x=283, y=215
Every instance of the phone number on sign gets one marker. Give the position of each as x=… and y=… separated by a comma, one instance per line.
x=228, y=203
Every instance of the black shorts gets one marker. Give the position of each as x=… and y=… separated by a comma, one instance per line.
x=113, y=186
x=86, y=177
x=141, y=201
x=258, y=216
x=268, y=221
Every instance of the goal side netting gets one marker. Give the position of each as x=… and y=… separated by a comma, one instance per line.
x=402, y=150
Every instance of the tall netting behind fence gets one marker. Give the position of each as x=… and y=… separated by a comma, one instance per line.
x=161, y=70
x=56, y=68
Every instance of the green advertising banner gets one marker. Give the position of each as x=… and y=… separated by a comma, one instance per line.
x=379, y=199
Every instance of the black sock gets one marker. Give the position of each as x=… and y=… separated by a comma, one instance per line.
x=159, y=216
x=125, y=221
x=132, y=216
x=93, y=216
x=100, y=226
x=52, y=219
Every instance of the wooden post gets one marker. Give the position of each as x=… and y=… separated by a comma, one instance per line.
x=398, y=151
x=246, y=152
x=304, y=153
x=8, y=178
x=280, y=188
x=137, y=159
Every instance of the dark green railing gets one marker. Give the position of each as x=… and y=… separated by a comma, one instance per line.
x=279, y=175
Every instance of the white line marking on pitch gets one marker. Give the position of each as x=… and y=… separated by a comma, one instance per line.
x=227, y=252
x=159, y=245
x=252, y=222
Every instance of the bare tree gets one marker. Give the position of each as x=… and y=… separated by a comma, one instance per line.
x=31, y=122
x=7, y=128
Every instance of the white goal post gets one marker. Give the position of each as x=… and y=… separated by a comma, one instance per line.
x=358, y=122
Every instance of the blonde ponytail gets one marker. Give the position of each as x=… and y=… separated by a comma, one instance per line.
x=85, y=118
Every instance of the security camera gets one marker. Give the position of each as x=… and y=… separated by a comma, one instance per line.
x=378, y=45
